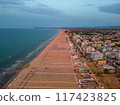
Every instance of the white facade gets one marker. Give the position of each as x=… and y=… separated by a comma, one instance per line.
x=90, y=49
x=96, y=55
x=117, y=55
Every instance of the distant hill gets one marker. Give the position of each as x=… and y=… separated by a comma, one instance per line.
x=101, y=28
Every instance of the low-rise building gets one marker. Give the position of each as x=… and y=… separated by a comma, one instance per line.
x=90, y=49
x=100, y=68
x=88, y=78
x=108, y=67
x=117, y=55
x=101, y=62
x=96, y=55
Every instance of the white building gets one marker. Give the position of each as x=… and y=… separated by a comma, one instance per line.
x=90, y=49
x=117, y=55
x=108, y=67
x=96, y=55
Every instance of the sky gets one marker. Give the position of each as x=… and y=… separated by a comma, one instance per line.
x=59, y=13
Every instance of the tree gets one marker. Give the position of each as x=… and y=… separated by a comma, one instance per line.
x=98, y=73
x=106, y=71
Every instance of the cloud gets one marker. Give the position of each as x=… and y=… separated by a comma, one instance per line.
x=115, y=9
x=43, y=11
x=29, y=6
x=6, y=2
x=89, y=5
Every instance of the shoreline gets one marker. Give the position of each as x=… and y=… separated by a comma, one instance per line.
x=28, y=64
x=51, y=69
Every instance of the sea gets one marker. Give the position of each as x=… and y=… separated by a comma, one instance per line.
x=20, y=46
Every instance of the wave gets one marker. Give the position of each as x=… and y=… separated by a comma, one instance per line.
x=39, y=47
x=19, y=64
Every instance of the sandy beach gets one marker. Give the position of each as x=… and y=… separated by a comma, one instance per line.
x=51, y=69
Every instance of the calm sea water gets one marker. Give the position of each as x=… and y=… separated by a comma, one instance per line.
x=19, y=46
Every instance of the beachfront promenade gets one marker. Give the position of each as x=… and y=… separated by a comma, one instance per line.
x=51, y=69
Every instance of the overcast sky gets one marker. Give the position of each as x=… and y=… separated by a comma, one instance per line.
x=59, y=13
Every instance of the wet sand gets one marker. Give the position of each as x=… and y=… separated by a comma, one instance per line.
x=51, y=69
